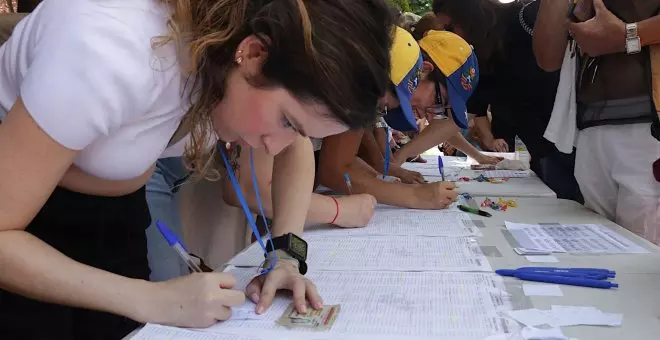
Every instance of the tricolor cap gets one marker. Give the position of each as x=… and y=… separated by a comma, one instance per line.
x=405, y=72
x=456, y=59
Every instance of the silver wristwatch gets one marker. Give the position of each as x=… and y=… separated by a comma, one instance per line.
x=633, y=43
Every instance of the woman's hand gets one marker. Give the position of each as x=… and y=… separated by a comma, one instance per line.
x=498, y=145
x=438, y=195
x=406, y=176
x=489, y=159
x=285, y=275
x=198, y=300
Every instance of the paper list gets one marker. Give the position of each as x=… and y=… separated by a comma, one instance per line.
x=425, y=304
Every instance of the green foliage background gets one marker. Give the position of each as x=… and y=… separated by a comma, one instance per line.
x=416, y=6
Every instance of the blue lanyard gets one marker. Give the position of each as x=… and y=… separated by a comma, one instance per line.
x=386, y=166
x=246, y=209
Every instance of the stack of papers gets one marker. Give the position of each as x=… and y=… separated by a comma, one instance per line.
x=400, y=222
x=401, y=304
x=405, y=253
x=572, y=238
x=508, y=173
x=563, y=316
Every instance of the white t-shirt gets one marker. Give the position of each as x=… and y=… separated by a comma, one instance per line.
x=90, y=77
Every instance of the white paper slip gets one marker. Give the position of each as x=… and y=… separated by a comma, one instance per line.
x=508, y=173
x=542, y=259
x=572, y=238
x=247, y=311
x=588, y=316
x=533, y=333
x=404, y=253
x=531, y=289
x=410, y=223
x=402, y=305
x=526, y=251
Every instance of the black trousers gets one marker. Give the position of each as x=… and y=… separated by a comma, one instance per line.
x=103, y=232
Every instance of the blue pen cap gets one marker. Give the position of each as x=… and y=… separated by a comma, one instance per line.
x=440, y=165
x=169, y=235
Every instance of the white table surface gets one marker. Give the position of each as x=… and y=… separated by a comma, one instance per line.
x=515, y=187
x=457, y=167
x=548, y=210
x=637, y=298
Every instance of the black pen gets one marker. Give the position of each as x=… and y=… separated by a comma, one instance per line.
x=474, y=211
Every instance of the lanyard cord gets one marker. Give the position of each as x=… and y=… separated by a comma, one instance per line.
x=246, y=209
x=386, y=166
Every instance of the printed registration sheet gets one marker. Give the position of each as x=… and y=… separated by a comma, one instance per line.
x=396, y=221
x=385, y=253
x=158, y=332
x=508, y=173
x=404, y=305
x=573, y=238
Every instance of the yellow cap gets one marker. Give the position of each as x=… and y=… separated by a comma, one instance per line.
x=447, y=50
x=404, y=55
x=456, y=59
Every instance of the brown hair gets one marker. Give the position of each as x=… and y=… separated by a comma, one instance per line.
x=484, y=23
x=426, y=23
x=334, y=52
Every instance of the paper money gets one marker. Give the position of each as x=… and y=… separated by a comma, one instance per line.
x=314, y=320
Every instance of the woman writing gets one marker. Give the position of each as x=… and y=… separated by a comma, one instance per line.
x=94, y=91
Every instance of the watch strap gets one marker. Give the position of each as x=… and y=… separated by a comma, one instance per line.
x=282, y=255
x=631, y=31
x=280, y=242
x=633, y=43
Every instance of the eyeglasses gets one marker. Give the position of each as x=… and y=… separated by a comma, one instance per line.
x=440, y=109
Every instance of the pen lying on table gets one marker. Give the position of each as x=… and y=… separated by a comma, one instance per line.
x=582, y=277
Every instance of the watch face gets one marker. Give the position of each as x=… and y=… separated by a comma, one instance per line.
x=298, y=246
x=633, y=45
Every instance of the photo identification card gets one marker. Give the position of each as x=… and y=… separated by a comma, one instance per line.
x=313, y=320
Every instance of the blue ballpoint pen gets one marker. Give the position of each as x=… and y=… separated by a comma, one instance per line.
x=178, y=246
x=347, y=178
x=609, y=273
x=441, y=168
x=584, y=275
x=572, y=281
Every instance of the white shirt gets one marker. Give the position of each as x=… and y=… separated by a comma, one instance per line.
x=91, y=79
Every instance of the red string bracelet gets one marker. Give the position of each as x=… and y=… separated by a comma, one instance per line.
x=337, y=213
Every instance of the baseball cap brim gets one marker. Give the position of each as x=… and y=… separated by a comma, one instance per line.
x=458, y=105
x=402, y=118
x=460, y=86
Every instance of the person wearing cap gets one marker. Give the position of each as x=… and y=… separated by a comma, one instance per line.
x=448, y=75
x=520, y=94
x=338, y=154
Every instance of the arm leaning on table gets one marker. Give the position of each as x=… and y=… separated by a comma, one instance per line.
x=371, y=153
x=293, y=180
x=440, y=131
x=339, y=156
x=350, y=211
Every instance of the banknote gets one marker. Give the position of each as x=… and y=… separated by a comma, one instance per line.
x=314, y=320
